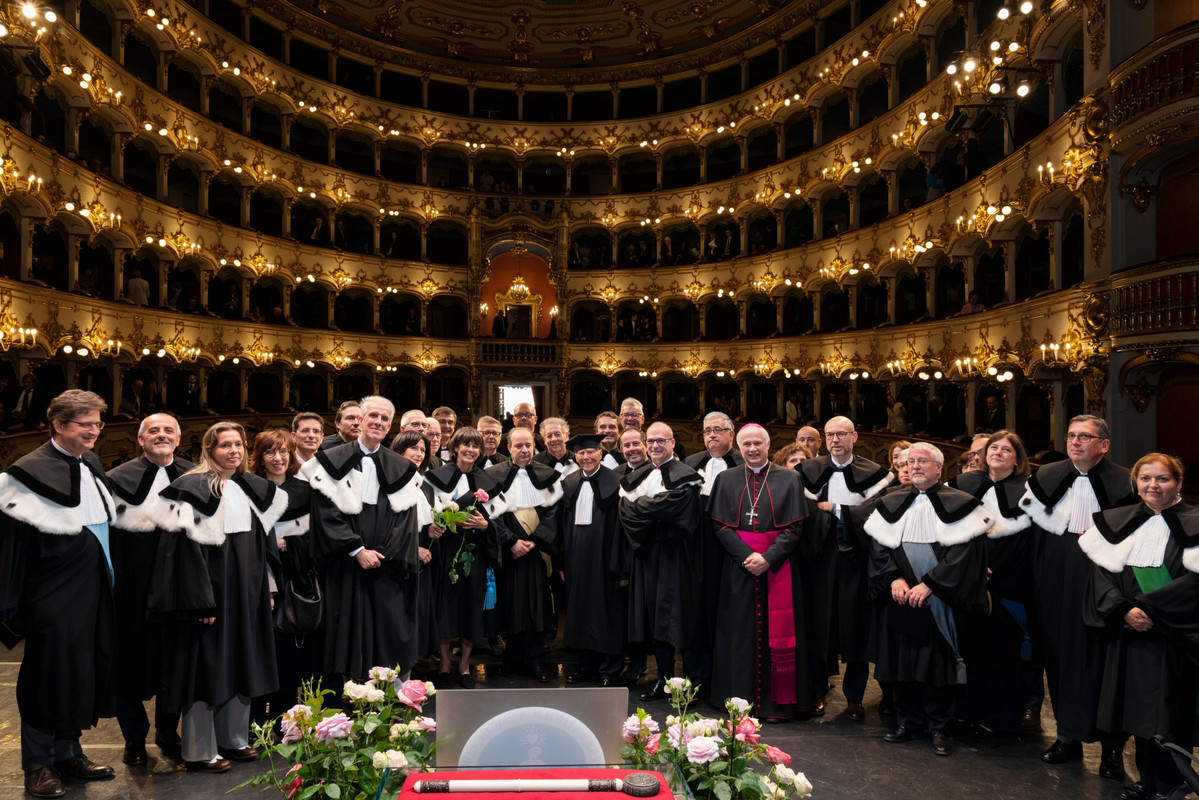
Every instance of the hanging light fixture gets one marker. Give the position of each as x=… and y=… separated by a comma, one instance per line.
x=519, y=290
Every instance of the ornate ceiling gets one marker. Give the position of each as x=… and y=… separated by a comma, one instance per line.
x=558, y=33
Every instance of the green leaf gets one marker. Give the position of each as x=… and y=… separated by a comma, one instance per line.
x=332, y=790
x=309, y=791
x=722, y=791
x=718, y=766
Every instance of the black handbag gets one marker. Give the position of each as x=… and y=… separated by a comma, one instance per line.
x=299, y=605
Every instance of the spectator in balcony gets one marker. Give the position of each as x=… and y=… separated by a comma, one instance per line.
x=897, y=416
x=934, y=184
x=391, y=247
x=973, y=305
x=175, y=296
x=669, y=254
x=193, y=397
x=131, y=403
x=412, y=323
x=499, y=325
x=341, y=239
x=486, y=181
x=29, y=409
x=585, y=255
x=137, y=288
x=87, y=281
x=318, y=236
x=644, y=258
x=574, y=259
x=974, y=160
x=994, y=415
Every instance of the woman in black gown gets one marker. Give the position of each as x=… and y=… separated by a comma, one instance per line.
x=1146, y=557
x=460, y=604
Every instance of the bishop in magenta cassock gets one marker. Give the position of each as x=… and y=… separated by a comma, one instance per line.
x=760, y=648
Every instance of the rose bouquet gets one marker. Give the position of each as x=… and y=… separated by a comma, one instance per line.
x=349, y=753
x=450, y=517
x=716, y=758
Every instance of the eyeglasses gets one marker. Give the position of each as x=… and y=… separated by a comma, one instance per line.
x=900, y=464
x=920, y=462
x=652, y=442
x=1081, y=438
x=524, y=415
x=88, y=426
x=632, y=415
x=275, y=453
x=838, y=434
x=715, y=431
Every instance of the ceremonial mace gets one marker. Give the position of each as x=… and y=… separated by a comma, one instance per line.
x=638, y=784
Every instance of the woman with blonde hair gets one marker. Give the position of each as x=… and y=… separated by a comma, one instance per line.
x=211, y=585
x=1144, y=563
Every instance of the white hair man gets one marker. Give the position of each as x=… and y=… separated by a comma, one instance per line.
x=134, y=546
x=928, y=565
x=365, y=528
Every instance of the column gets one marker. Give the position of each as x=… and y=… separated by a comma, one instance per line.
x=816, y=325
x=780, y=304
x=780, y=136
x=817, y=128
x=742, y=318
x=892, y=287
x=243, y=387
x=376, y=230
x=287, y=203
x=25, y=230
x=160, y=177
x=374, y=300
x=855, y=207
x=971, y=401
x=893, y=205
x=1057, y=231
x=702, y=308
x=424, y=247
x=930, y=292
x=244, y=191
x=851, y=293
x=742, y=146
x=817, y=218
x=1009, y=271
x=657, y=167
x=1057, y=416
x=470, y=170
x=615, y=175
x=969, y=263
x=424, y=167
x=779, y=229
x=378, y=81
x=855, y=107
x=287, y=290
x=703, y=164
x=1057, y=90
x=378, y=157
x=116, y=158
x=520, y=175
x=892, y=74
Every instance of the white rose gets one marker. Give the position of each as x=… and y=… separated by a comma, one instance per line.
x=737, y=705
x=375, y=695
x=379, y=760
x=355, y=691
x=677, y=685
x=451, y=506
x=397, y=730
x=396, y=759
x=785, y=775
x=802, y=784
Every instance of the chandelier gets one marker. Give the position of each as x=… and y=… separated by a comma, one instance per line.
x=519, y=290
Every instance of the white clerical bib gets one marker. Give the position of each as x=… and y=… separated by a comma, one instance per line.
x=237, y=509
x=1149, y=545
x=713, y=468
x=522, y=492
x=584, y=503
x=839, y=493
x=920, y=522
x=1083, y=505
x=370, y=481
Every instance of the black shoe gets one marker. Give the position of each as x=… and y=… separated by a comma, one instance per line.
x=1031, y=720
x=497, y=645
x=655, y=692
x=1135, y=791
x=818, y=705
x=942, y=744
x=582, y=678
x=170, y=746
x=540, y=675
x=900, y=734
x=135, y=754
x=1059, y=752
x=1111, y=764
x=466, y=680
x=443, y=680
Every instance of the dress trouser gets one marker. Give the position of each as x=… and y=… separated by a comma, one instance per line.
x=923, y=706
x=41, y=748
x=135, y=723
x=205, y=727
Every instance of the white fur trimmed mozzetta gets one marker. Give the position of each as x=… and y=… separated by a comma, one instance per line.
x=24, y=505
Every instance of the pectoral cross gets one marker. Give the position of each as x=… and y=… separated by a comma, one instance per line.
x=752, y=516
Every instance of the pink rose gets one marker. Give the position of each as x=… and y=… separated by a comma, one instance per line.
x=291, y=733
x=412, y=693
x=651, y=746
x=747, y=732
x=482, y=496
x=678, y=736
x=338, y=726
x=702, y=750
x=426, y=723
x=777, y=756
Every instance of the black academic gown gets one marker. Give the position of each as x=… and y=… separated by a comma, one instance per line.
x=1149, y=684
x=565, y=465
x=56, y=592
x=711, y=554
x=742, y=658
x=493, y=459
x=370, y=614
x=612, y=458
x=134, y=546
x=1000, y=645
x=839, y=620
x=910, y=648
x=459, y=605
x=594, y=562
x=201, y=572
x=1073, y=653
x=299, y=656
x=664, y=577
x=525, y=599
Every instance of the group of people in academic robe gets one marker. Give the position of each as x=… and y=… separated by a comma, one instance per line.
x=759, y=575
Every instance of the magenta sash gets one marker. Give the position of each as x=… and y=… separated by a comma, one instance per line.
x=780, y=620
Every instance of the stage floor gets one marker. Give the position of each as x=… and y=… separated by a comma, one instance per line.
x=844, y=760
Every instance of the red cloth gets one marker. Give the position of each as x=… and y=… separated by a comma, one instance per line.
x=780, y=620
x=407, y=793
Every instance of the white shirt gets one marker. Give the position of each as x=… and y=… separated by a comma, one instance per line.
x=1149, y=545
x=91, y=503
x=237, y=509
